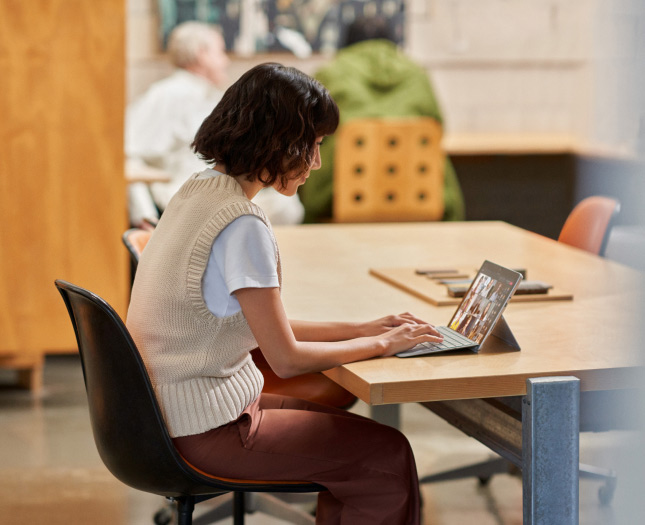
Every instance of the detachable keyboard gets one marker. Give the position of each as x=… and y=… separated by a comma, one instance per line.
x=451, y=341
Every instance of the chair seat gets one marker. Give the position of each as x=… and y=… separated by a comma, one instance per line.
x=260, y=485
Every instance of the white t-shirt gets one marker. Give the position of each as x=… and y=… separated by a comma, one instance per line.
x=242, y=256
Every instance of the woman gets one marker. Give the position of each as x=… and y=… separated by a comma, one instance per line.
x=207, y=292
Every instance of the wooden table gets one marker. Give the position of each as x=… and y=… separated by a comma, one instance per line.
x=567, y=346
x=488, y=143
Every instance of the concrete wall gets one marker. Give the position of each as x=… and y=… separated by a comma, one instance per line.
x=499, y=66
x=505, y=66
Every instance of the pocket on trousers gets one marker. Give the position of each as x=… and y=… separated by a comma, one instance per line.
x=249, y=422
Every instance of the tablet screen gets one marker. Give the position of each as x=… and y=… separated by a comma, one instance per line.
x=484, y=301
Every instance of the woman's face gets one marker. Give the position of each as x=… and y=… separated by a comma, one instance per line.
x=294, y=183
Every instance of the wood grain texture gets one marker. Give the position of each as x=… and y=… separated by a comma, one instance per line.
x=326, y=277
x=62, y=188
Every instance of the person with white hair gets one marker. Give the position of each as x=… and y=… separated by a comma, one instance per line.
x=161, y=124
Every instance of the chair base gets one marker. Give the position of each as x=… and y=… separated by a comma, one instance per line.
x=275, y=505
x=485, y=470
x=237, y=505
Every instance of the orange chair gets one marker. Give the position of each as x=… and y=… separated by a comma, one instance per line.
x=588, y=225
x=135, y=240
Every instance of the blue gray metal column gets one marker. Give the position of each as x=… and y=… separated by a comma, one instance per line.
x=551, y=450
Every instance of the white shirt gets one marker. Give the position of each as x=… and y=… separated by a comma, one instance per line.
x=242, y=256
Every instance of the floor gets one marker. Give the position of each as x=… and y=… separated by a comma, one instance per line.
x=50, y=472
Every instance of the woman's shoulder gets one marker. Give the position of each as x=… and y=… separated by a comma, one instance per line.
x=249, y=227
x=239, y=211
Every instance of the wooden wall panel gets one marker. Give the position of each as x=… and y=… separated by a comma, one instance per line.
x=62, y=189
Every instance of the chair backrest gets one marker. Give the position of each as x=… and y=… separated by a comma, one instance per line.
x=589, y=224
x=388, y=170
x=135, y=240
x=127, y=424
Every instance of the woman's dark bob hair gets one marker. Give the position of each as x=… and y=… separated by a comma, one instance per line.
x=268, y=120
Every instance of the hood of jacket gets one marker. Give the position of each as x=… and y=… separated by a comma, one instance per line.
x=379, y=63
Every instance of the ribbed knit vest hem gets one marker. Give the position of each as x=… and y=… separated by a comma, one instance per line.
x=201, y=404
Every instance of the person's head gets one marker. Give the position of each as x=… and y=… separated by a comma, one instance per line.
x=368, y=28
x=267, y=127
x=199, y=48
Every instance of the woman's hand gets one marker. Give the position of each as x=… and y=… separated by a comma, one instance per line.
x=385, y=324
x=321, y=346
x=408, y=335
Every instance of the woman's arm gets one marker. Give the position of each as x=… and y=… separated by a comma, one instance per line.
x=341, y=331
x=289, y=357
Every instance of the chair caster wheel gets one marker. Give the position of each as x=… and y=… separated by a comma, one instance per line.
x=484, y=480
x=606, y=493
x=163, y=516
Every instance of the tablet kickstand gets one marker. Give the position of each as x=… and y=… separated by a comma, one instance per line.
x=503, y=331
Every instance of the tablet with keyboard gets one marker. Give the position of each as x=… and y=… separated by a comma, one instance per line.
x=480, y=309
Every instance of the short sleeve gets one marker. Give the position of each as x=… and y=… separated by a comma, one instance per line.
x=243, y=256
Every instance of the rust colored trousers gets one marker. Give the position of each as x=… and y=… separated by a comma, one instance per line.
x=367, y=468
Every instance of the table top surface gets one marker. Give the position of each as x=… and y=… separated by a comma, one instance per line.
x=592, y=337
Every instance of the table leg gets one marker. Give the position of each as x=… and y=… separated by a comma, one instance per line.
x=550, y=450
x=386, y=414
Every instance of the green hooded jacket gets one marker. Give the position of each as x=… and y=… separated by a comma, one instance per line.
x=374, y=79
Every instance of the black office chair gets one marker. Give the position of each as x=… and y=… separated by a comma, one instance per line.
x=127, y=424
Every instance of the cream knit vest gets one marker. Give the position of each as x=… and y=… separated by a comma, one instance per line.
x=199, y=364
